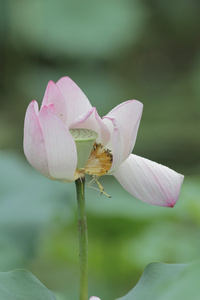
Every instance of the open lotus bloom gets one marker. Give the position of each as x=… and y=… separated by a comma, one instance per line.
x=67, y=139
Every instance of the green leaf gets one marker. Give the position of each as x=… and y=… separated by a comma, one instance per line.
x=167, y=281
x=22, y=285
x=79, y=29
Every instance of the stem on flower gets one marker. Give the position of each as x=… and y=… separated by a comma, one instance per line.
x=83, y=239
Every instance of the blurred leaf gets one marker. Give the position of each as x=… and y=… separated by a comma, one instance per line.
x=164, y=282
x=22, y=285
x=11, y=254
x=158, y=242
x=28, y=203
x=27, y=198
x=77, y=28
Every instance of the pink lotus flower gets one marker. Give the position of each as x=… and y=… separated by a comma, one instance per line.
x=50, y=144
x=94, y=298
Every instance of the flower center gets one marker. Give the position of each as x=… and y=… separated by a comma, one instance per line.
x=93, y=158
x=84, y=139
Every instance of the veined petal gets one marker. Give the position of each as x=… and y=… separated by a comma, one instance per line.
x=149, y=181
x=116, y=142
x=60, y=146
x=54, y=95
x=91, y=120
x=76, y=102
x=128, y=115
x=34, y=147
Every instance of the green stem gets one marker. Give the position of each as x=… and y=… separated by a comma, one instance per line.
x=83, y=239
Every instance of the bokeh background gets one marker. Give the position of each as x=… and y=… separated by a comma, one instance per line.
x=114, y=50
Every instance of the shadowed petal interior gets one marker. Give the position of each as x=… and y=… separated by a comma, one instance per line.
x=116, y=143
x=128, y=115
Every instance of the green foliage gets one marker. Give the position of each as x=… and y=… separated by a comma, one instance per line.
x=38, y=220
x=165, y=281
x=114, y=50
x=22, y=285
x=80, y=28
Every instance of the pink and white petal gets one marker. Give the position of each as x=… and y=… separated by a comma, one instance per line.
x=34, y=147
x=91, y=120
x=149, y=181
x=60, y=146
x=128, y=115
x=94, y=298
x=76, y=102
x=116, y=143
x=54, y=95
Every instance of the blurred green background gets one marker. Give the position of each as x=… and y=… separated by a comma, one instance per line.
x=114, y=50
